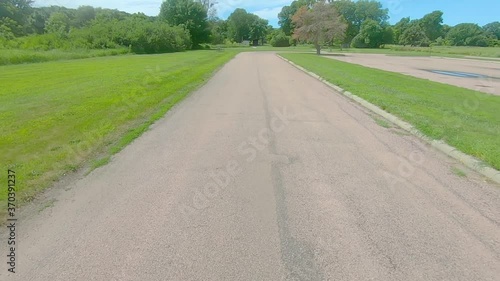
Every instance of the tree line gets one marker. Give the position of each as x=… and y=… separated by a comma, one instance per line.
x=368, y=26
x=180, y=25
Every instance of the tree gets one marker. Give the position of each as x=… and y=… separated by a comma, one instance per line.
x=432, y=24
x=239, y=25
x=245, y=26
x=6, y=29
x=371, y=35
x=285, y=19
x=84, y=15
x=414, y=36
x=466, y=34
x=400, y=28
x=14, y=16
x=388, y=37
x=369, y=9
x=492, y=29
x=258, y=29
x=355, y=13
x=319, y=25
x=58, y=23
x=38, y=19
x=287, y=12
x=190, y=14
x=218, y=30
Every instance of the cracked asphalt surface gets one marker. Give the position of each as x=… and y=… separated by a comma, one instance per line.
x=266, y=174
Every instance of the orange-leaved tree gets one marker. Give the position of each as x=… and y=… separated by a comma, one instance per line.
x=319, y=25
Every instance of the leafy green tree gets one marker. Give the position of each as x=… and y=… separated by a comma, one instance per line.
x=285, y=19
x=446, y=29
x=258, y=29
x=369, y=9
x=466, y=34
x=371, y=35
x=191, y=14
x=40, y=16
x=6, y=28
x=14, y=16
x=347, y=9
x=38, y=20
x=388, y=37
x=58, y=23
x=432, y=24
x=492, y=29
x=84, y=15
x=319, y=25
x=218, y=30
x=239, y=25
x=287, y=12
x=414, y=36
x=400, y=28
x=355, y=13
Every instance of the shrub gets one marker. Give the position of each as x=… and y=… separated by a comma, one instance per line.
x=480, y=41
x=280, y=40
x=358, y=42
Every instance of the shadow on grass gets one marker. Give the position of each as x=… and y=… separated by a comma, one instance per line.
x=334, y=55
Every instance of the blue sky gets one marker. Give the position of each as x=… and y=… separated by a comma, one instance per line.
x=455, y=11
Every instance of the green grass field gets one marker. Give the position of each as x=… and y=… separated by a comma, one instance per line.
x=18, y=56
x=466, y=119
x=57, y=117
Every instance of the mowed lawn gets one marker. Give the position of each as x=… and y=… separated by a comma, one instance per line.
x=466, y=119
x=57, y=117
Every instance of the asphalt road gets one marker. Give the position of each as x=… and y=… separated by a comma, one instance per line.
x=266, y=174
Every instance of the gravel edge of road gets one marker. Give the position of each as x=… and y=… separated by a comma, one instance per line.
x=451, y=151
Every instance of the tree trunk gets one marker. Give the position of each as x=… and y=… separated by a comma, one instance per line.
x=318, y=49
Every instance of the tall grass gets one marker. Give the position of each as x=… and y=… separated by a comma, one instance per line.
x=19, y=56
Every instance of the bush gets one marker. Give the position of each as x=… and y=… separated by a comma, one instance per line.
x=493, y=42
x=43, y=42
x=479, y=41
x=358, y=42
x=140, y=36
x=280, y=40
x=161, y=38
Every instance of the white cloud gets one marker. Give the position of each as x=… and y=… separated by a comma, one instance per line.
x=270, y=14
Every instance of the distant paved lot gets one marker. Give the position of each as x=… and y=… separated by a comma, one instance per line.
x=420, y=66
